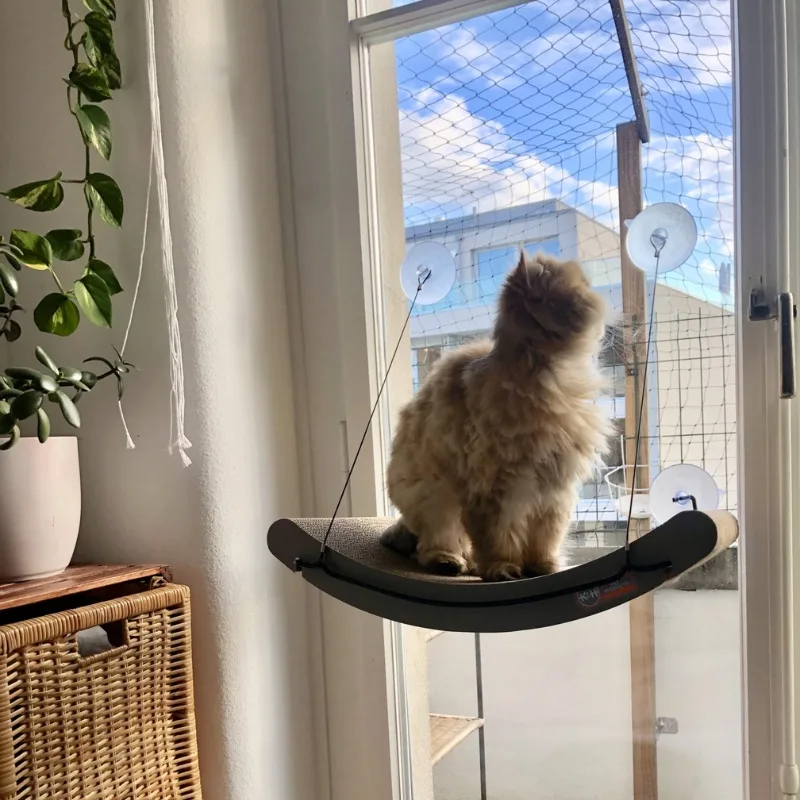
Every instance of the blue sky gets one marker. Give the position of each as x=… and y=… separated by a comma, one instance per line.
x=521, y=105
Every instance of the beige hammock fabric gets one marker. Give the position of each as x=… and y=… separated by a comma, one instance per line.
x=114, y=725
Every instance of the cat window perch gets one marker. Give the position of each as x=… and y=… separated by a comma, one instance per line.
x=345, y=558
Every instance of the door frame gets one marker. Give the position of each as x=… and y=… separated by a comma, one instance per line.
x=329, y=196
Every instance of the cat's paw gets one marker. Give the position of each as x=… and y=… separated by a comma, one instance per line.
x=544, y=567
x=443, y=563
x=501, y=571
x=399, y=538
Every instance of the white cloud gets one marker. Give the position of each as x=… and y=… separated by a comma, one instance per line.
x=681, y=48
x=696, y=171
x=455, y=162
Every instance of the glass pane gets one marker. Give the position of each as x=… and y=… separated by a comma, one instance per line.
x=508, y=135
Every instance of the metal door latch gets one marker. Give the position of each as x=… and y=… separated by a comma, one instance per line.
x=668, y=725
x=784, y=311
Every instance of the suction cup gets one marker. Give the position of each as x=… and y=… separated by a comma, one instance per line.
x=673, y=489
x=433, y=264
x=661, y=238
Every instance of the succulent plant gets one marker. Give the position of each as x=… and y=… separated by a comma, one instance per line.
x=94, y=75
x=24, y=391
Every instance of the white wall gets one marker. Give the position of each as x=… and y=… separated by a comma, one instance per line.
x=210, y=520
x=557, y=705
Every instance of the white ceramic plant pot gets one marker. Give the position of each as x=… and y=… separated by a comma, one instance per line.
x=40, y=507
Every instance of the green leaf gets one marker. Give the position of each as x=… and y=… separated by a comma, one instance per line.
x=90, y=82
x=98, y=42
x=80, y=385
x=112, y=69
x=48, y=384
x=68, y=409
x=45, y=360
x=27, y=404
x=66, y=243
x=7, y=422
x=8, y=280
x=104, y=59
x=96, y=127
x=103, y=271
x=70, y=374
x=94, y=299
x=24, y=374
x=13, y=331
x=104, y=194
x=15, y=434
x=13, y=261
x=39, y=195
x=93, y=52
x=106, y=7
x=100, y=26
x=57, y=314
x=35, y=249
x=42, y=425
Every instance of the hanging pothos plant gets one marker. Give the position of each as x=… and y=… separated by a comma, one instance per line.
x=87, y=291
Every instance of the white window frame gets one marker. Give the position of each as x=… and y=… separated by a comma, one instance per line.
x=339, y=312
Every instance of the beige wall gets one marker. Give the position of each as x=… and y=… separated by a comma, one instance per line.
x=695, y=348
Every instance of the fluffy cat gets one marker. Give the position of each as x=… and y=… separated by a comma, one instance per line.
x=488, y=455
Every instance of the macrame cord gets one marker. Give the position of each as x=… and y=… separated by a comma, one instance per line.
x=177, y=436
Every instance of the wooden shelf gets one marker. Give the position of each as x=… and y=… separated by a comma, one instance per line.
x=447, y=732
x=76, y=580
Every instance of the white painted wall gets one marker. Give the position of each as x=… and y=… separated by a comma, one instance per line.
x=557, y=705
x=210, y=520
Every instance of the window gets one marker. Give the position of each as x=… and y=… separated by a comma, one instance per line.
x=549, y=246
x=492, y=264
x=497, y=261
x=687, y=161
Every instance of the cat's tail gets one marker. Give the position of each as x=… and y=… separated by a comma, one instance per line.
x=399, y=538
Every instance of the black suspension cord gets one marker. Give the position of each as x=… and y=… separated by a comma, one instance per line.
x=658, y=240
x=423, y=278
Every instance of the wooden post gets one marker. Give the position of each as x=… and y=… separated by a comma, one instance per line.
x=642, y=628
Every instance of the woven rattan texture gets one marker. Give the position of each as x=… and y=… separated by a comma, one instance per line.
x=113, y=726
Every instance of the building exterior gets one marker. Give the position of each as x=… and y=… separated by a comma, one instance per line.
x=691, y=418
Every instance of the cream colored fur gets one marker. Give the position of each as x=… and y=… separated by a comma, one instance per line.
x=488, y=455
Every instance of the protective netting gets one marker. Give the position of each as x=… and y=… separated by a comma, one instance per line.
x=507, y=126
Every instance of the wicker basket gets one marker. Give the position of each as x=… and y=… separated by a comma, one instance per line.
x=112, y=726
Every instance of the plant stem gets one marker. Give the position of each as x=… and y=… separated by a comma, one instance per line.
x=73, y=46
x=89, y=232
x=58, y=282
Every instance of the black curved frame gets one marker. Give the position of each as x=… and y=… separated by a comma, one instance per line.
x=477, y=607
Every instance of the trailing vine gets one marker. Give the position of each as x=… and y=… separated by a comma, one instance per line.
x=95, y=74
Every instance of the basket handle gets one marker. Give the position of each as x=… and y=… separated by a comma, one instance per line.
x=62, y=623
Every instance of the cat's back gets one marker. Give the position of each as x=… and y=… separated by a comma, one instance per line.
x=441, y=401
x=447, y=378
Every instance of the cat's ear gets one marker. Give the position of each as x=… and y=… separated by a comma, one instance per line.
x=522, y=264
